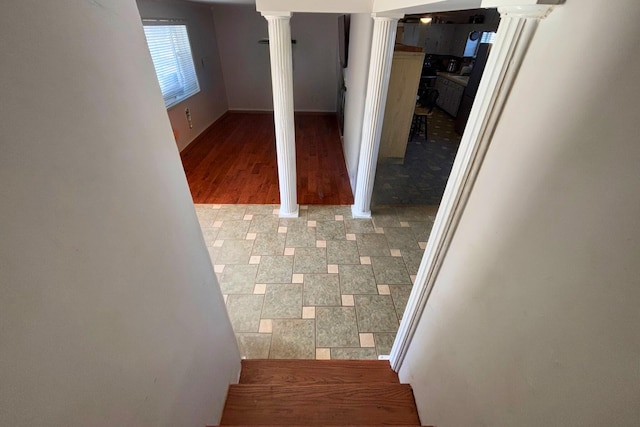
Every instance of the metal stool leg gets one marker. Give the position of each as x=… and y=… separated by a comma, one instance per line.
x=414, y=126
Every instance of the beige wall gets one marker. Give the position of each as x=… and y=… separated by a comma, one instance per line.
x=246, y=67
x=110, y=313
x=211, y=102
x=534, y=319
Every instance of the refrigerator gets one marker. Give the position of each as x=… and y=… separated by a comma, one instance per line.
x=472, y=87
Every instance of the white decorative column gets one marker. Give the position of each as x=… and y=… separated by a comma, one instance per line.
x=384, y=35
x=282, y=84
x=517, y=27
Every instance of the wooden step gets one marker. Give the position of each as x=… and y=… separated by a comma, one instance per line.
x=307, y=372
x=324, y=404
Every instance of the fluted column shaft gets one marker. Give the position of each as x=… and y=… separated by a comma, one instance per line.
x=282, y=84
x=384, y=34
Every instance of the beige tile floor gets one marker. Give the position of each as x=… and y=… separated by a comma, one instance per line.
x=320, y=286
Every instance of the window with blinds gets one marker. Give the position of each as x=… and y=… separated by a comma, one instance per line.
x=171, y=55
x=488, y=37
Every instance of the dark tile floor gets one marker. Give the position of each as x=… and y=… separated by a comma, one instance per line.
x=323, y=285
x=421, y=178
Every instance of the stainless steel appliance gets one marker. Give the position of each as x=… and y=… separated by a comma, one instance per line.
x=472, y=87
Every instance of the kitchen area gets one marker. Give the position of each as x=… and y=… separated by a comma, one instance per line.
x=450, y=51
x=456, y=47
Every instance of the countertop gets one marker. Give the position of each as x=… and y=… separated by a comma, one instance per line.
x=456, y=78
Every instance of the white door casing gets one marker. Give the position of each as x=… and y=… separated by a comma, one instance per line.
x=517, y=27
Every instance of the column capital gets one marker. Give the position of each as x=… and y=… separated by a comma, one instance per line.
x=388, y=16
x=532, y=11
x=276, y=15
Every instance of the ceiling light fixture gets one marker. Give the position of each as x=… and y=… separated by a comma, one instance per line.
x=425, y=20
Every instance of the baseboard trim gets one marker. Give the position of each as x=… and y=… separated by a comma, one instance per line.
x=185, y=149
x=203, y=133
x=259, y=111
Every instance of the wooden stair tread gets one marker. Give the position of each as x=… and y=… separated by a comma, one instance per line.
x=305, y=372
x=324, y=404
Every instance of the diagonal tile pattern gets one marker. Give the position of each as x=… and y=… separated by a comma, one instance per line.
x=324, y=285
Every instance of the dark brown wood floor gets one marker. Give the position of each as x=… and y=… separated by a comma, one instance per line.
x=234, y=161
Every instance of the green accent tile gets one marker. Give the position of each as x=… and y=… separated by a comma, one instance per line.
x=342, y=252
x=244, y=312
x=233, y=229
x=384, y=342
x=401, y=238
x=254, y=346
x=412, y=259
x=416, y=213
x=234, y=252
x=336, y=327
x=231, y=212
x=238, y=279
x=321, y=289
x=390, y=271
x=293, y=339
x=282, y=302
x=330, y=230
x=372, y=245
x=300, y=236
x=321, y=213
x=354, y=354
x=421, y=230
x=345, y=211
x=206, y=216
x=213, y=252
x=266, y=210
x=294, y=223
x=210, y=235
x=376, y=313
x=400, y=296
x=264, y=224
x=359, y=226
x=310, y=260
x=275, y=269
x=385, y=217
x=357, y=279
x=269, y=244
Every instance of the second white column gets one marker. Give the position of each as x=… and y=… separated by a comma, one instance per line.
x=384, y=34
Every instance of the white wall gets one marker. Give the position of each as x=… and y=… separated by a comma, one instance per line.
x=355, y=76
x=110, y=313
x=211, y=102
x=534, y=319
x=315, y=6
x=245, y=63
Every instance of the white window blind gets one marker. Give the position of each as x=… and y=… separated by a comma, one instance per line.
x=171, y=55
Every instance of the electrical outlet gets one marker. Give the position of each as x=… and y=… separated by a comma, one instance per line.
x=187, y=112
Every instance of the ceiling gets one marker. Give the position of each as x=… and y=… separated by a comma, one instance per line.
x=224, y=1
x=456, y=17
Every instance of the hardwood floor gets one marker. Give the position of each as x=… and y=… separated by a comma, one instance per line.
x=311, y=372
x=319, y=392
x=234, y=161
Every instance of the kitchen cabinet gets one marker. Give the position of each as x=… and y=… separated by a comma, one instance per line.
x=401, y=102
x=446, y=39
x=437, y=38
x=450, y=95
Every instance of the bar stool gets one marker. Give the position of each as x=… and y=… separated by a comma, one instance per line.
x=424, y=108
